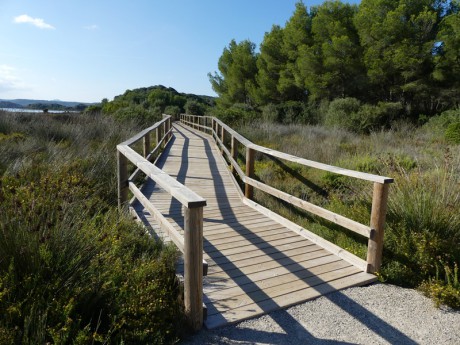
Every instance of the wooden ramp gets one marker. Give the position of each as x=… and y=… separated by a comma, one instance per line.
x=256, y=265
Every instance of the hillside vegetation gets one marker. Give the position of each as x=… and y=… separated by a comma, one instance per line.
x=148, y=103
x=72, y=269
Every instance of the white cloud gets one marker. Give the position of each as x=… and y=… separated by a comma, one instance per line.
x=8, y=79
x=91, y=27
x=38, y=22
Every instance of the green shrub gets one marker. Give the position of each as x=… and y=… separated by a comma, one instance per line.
x=236, y=115
x=341, y=111
x=194, y=107
x=270, y=113
x=348, y=113
x=444, y=291
x=72, y=269
x=422, y=224
x=437, y=125
x=172, y=110
x=453, y=133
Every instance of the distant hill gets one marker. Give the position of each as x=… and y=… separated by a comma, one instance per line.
x=8, y=104
x=148, y=103
x=26, y=102
x=43, y=104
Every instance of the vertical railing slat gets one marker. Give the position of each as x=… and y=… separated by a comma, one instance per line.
x=122, y=163
x=248, y=189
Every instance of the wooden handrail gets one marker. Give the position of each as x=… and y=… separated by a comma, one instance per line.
x=191, y=244
x=374, y=232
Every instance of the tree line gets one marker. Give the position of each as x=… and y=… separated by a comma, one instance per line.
x=382, y=58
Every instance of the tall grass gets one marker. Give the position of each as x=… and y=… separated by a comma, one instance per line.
x=422, y=239
x=72, y=269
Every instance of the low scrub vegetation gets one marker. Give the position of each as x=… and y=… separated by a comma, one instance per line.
x=72, y=269
x=422, y=239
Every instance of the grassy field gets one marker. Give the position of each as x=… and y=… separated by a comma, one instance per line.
x=72, y=269
x=422, y=239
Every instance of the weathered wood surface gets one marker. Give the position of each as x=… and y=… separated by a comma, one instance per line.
x=256, y=264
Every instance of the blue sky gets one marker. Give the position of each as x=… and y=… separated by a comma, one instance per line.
x=87, y=50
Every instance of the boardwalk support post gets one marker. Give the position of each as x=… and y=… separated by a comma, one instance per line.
x=248, y=189
x=169, y=128
x=158, y=135
x=146, y=144
x=234, y=151
x=222, y=139
x=122, y=163
x=193, y=266
x=377, y=224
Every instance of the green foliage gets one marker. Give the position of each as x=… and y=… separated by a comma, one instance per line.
x=422, y=223
x=173, y=110
x=348, y=113
x=333, y=65
x=194, y=107
x=270, y=62
x=438, y=125
x=453, y=133
x=397, y=57
x=146, y=105
x=297, y=33
x=236, y=80
x=73, y=270
x=341, y=111
x=446, y=291
x=237, y=114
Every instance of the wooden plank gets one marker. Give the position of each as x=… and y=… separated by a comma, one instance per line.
x=277, y=286
x=247, y=234
x=242, y=241
x=249, y=248
x=268, y=270
x=340, y=252
x=244, y=261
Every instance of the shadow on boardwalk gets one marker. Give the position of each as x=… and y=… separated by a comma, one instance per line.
x=265, y=302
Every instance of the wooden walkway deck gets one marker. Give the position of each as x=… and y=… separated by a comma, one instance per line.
x=256, y=265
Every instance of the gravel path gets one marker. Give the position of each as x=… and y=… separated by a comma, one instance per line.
x=376, y=314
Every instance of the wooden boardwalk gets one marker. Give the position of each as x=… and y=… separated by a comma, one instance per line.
x=256, y=265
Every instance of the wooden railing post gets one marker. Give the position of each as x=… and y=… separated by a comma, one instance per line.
x=248, y=189
x=169, y=128
x=158, y=134
x=222, y=138
x=193, y=266
x=146, y=142
x=123, y=188
x=234, y=151
x=377, y=224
